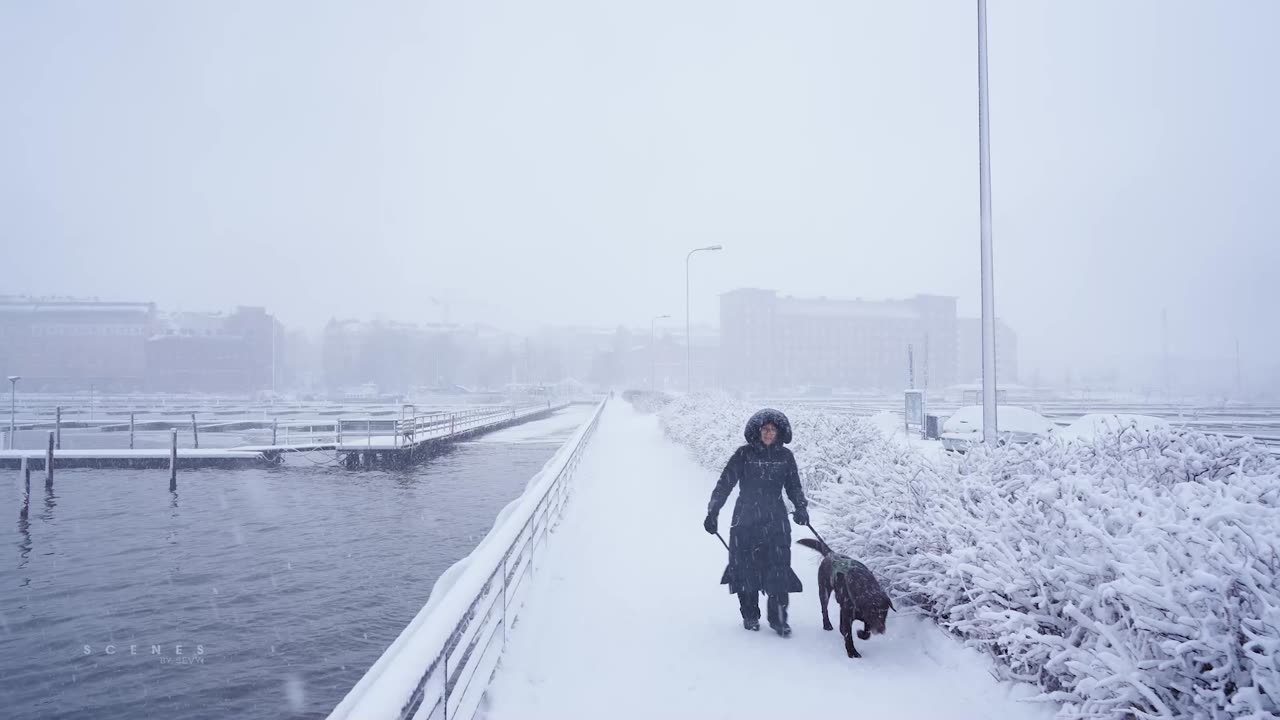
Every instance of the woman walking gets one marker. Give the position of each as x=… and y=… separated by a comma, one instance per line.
x=760, y=537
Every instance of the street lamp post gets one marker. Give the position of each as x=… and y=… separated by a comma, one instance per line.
x=989, y=426
x=273, y=361
x=13, y=399
x=688, y=333
x=653, y=355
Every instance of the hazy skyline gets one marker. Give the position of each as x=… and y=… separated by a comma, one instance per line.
x=553, y=162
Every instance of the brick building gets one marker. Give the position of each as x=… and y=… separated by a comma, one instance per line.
x=771, y=342
x=62, y=345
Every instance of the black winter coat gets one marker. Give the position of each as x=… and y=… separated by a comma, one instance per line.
x=760, y=537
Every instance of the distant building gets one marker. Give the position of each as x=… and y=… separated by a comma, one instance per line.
x=666, y=363
x=770, y=342
x=403, y=357
x=970, y=351
x=61, y=345
x=215, y=352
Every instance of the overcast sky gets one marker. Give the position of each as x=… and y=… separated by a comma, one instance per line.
x=552, y=161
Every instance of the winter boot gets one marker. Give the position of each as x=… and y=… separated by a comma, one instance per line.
x=749, y=603
x=778, y=615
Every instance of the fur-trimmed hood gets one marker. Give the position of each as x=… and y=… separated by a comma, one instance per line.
x=768, y=416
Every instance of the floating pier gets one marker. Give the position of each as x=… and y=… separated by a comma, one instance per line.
x=359, y=443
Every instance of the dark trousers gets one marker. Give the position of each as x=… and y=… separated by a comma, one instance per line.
x=749, y=602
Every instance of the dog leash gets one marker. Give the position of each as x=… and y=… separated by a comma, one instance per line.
x=815, y=534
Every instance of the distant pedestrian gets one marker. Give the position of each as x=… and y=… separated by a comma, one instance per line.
x=760, y=537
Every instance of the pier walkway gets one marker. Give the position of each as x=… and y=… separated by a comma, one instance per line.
x=618, y=614
x=361, y=442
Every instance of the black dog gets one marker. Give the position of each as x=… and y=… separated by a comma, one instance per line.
x=857, y=591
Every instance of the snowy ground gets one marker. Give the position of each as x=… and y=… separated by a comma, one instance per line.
x=554, y=429
x=626, y=619
x=890, y=424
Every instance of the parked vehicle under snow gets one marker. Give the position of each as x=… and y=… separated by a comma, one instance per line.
x=1016, y=425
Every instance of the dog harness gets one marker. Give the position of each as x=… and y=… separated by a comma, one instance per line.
x=841, y=565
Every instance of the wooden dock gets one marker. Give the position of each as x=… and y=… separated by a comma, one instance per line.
x=359, y=443
x=153, y=458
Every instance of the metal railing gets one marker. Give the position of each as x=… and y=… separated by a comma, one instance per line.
x=407, y=431
x=441, y=664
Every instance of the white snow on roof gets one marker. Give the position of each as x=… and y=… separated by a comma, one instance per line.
x=1009, y=418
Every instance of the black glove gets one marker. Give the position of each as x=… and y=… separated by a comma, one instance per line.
x=802, y=516
x=710, y=524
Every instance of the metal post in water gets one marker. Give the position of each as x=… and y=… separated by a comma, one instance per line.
x=26, y=490
x=989, y=426
x=130, y=429
x=195, y=432
x=13, y=405
x=173, y=457
x=57, y=425
x=275, y=427
x=48, y=462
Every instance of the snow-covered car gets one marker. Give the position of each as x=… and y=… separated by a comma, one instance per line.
x=1016, y=425
x=1088, y=427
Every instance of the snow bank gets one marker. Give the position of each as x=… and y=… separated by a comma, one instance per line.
x=1088, y=427
x=1134, y=575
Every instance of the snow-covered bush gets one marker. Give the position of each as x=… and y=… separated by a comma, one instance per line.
x=1134, y=575
x=646, y=401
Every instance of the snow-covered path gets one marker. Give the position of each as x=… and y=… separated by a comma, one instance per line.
x=626, y=619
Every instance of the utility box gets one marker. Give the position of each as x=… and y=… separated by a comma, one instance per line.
x=914, y=410
x=932, y=427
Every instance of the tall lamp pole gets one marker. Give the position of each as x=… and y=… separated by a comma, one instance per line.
x=989, y=426
x=688, y=333
x=653, y=355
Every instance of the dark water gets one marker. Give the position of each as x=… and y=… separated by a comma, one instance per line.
x=246, y=594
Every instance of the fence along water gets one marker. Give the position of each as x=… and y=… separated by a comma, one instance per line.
x=439, y=666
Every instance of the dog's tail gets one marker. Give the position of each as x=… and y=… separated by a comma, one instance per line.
x=813, y=544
